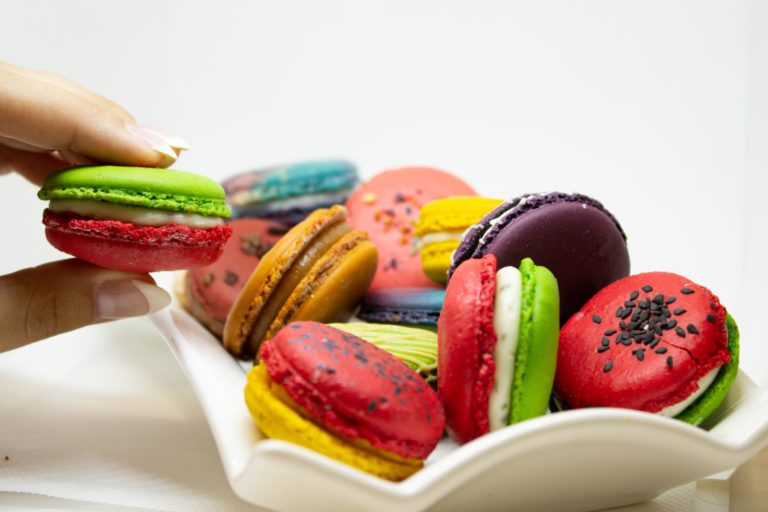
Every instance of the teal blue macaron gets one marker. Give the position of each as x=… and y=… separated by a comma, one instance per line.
x=288, y=193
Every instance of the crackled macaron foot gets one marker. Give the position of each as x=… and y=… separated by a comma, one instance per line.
x=331, y=392
x=572, y=235
x=414, y=346
x=497, y=346
x=410, y=306
x=654, y=342
x=440, y=227
x=209, y=292
x=319, y=270
x=288, y=193
x=134, y=218
x=387, y=206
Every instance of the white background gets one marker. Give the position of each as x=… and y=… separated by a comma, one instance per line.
x=657, y=108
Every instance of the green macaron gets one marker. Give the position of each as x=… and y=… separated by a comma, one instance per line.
x=162, y=189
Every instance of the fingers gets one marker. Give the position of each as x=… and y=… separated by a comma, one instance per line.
x=57, y=297
x=46, y=112
x=33, y=166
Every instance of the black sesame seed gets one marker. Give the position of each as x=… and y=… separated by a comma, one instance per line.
x=626, y=313
x=607, y=366
x=610, y=332
x=692, y=329
x=670, y=299
x=636, y=315
x=679, y=311
x=602, y=349
x=648, y=337
x=658, y=329
x=647, y=288
x=655, y=342
x=643, y=304
x=627, y=342
x=670, y=324
x=665, y=313
x=596, y=319
x=635, y=294
x=669, y=361
x=658, y=299
x=711, y=317
x=639, y=353
x=605, y=341
x=619, y=311
x=661, y=350
x=680, y=332
x=629, y=304
x=686, y=291
x=623, y=325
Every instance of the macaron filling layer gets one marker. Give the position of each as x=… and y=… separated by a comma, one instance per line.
x=506, y=323
x=133, y=214
x=433, y=238
x=703, y=385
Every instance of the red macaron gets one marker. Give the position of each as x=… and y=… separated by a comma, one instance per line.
x=655, y=342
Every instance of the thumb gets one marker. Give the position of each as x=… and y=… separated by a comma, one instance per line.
x=57, y=297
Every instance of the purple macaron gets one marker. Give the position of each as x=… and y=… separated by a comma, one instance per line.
x=573, y=235
x=412, y=306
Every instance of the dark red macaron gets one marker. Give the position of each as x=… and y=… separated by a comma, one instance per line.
x=355, y=389
x=646, y=342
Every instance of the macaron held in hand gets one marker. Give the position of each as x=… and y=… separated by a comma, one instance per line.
x=497, y=346
x=332, y=392
x=135, y=218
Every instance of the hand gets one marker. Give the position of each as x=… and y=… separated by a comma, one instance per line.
x=46, y=123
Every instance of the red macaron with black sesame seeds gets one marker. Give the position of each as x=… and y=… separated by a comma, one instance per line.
x=654, y=342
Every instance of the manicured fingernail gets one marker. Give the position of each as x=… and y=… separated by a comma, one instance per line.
x=152, y=140
x=122, y=298
x=174, y=141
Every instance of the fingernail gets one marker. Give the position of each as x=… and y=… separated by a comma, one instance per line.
x=122, y=298
x=174, y=141
x=153, y=140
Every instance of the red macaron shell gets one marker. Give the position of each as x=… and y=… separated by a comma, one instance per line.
x=387, y=206
x=214, y=288
x=466, y=343
x=134, y=248
x=649, y=370
x=355, y=389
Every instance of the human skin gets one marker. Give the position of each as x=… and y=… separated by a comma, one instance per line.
x=47, y=123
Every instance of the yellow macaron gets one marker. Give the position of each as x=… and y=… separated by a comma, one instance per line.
x=440, y=227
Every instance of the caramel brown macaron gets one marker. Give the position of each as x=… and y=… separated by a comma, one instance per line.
x=318, y=271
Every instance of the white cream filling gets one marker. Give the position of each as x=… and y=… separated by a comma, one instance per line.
x=133, y=214
x=433, y=238
x=506, y=323
x=704, y=383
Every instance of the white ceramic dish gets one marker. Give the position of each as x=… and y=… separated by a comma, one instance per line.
x=570, y=461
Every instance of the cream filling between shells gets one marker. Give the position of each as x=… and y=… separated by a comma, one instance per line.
x=506, y=323
x=133, y=214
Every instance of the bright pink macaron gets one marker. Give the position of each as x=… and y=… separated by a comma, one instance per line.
x=387, y=206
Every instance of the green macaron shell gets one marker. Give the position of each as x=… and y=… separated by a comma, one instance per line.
x=705, y=405
x=539, y=331
x=160, y=189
